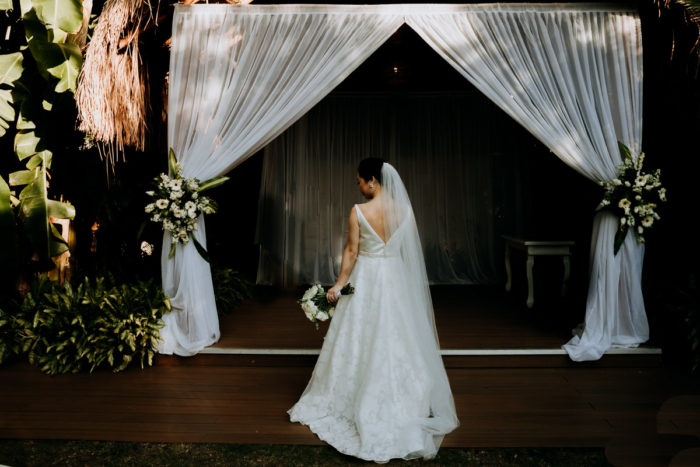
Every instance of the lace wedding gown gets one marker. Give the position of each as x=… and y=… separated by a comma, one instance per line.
x=379, y=389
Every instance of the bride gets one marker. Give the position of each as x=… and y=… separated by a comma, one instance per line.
x=379, y=389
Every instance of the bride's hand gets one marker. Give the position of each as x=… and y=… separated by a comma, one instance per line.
x=332, y=294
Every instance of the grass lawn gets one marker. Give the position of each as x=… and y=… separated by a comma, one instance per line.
x=107, y=453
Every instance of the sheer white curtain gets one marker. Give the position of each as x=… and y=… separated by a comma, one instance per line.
x=571, y=75
x=238, y=77
x=452, y=157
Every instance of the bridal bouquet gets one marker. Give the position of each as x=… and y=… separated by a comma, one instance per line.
x=634, y=196
x=177, y=204
x=316, y=306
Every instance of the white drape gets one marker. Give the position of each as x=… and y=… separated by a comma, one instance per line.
x=573, y=78
x=239, y=77
x=571, y=74
x=461, y=174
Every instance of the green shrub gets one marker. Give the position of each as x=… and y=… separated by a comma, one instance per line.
x=230, y=289
x=64, y=329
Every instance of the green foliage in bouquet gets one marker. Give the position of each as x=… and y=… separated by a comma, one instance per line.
x=633, y=196
x=230, y=289
x=66, y=329
x=316, y=306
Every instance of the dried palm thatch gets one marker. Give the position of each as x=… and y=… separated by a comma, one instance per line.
x=112, y=95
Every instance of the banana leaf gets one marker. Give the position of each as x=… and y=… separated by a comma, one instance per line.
x=8, y=230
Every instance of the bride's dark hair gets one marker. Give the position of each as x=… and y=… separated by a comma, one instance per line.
x=371, y=167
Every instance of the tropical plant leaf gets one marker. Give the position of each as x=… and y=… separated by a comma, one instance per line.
x=66, y=15
x=7, y=112
x=212, y=183
x=60, y=209
x=67, y=71
x=8, y=235
x=11, y=67
x=26, y=144
x=25, y=6
x=22, y=177
x=35, y=209
x=44, y=157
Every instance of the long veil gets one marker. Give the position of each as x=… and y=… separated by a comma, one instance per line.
x=403, y=240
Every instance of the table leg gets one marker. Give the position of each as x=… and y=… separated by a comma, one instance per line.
x=530, y=285
x=567, y=272
x=509, y=275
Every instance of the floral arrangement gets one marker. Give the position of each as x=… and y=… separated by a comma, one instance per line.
x=316, y=306
x=634, y=196
x=177, y=203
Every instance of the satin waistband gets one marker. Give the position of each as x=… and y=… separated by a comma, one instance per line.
x=367, y=254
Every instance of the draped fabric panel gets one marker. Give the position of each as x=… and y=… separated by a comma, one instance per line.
x=574, y=80
x=570, y=74
x=459, y=170
x=238, y=78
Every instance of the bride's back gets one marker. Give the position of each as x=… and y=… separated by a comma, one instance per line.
x=374, y=215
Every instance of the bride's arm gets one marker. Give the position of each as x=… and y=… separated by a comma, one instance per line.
x=349, y=257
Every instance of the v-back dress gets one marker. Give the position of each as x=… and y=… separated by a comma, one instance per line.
x=370, y=391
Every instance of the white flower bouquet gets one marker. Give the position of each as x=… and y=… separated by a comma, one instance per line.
x=177, y=203
x=633, y=196
x=316, y=306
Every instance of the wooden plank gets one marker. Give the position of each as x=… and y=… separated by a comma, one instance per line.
x=497, y=407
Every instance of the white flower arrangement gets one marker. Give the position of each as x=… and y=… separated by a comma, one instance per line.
x=177, y=204
x=316, y=306
x=634, y=196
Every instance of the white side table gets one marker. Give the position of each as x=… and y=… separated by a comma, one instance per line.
x=537, y=248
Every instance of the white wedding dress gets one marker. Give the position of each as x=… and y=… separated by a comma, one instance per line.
x=379, y=389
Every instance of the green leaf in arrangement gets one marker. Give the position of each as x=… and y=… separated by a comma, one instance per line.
x=619, y=239
x=172, y=162
x=624, y=151
x=212, y=183
x=66, y=15
x=200, y=249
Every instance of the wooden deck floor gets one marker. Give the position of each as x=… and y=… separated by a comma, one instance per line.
x=211, y=398
x=473, y=317
x=497, y=407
